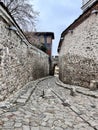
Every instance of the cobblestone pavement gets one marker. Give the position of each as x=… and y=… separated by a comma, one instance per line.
x=48, y=104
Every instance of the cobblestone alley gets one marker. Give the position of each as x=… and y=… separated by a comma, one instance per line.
x=48, y=104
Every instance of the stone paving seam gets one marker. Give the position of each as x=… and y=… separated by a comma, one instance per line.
x=75, y=110
x=72, y=108
x=78, y=89
x=17, y=99
x=82, y=118
x=42, y=113
x=38, y=81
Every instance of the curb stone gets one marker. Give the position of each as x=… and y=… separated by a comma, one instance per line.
x=22, y=95
x=78, y=89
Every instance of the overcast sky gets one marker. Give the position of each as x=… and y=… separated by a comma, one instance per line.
x=55, y=16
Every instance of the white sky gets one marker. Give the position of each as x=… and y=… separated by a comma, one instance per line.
x=55, y=16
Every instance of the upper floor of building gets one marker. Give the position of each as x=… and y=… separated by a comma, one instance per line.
x=86, y=4
x=41, y=40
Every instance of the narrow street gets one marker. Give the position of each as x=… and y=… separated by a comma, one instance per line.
x=48, y=104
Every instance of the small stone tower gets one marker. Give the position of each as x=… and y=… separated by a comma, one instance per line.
x=86, y=4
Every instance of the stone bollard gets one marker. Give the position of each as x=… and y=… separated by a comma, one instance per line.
x=93, y=84
x=73, y=91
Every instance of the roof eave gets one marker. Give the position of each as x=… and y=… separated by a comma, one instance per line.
x=73, y=25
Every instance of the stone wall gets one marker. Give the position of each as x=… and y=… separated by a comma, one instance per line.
x=78, y=58
x=20, y=62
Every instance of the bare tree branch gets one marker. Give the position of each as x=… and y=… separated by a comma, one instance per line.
x=22, y=12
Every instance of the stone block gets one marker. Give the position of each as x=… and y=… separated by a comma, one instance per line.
x=19, y=63
x=78, y=56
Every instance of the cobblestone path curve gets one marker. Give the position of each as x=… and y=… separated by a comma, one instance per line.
x=48, y=104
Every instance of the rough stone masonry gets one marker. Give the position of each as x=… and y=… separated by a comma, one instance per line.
x=20, y=62
x=78, y=53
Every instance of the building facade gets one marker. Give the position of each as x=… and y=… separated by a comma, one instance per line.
x=78, y=48
x=87, y=4
x=42, y=40
x=20, y=62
